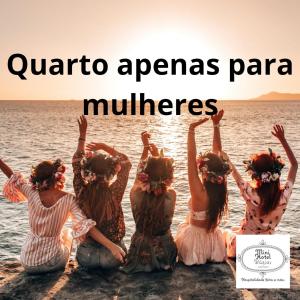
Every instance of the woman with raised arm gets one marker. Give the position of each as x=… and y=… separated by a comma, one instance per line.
x=265, y=199
x=47, y=246
x=152, y=203
x=199, y=239
x=100, y=198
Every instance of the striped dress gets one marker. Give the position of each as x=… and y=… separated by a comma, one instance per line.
x=44, y=240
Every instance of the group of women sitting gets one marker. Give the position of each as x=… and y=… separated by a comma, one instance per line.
x=100, y=179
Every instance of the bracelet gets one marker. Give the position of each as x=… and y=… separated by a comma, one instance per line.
x=81, y=139
x=217, y=125
x=146, y=146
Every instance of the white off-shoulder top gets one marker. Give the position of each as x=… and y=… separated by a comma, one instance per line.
x=46, y=223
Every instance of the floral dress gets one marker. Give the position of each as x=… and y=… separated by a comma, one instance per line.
x=113, y=225
x=152, y=245
x=253, y=222
x=44, y=240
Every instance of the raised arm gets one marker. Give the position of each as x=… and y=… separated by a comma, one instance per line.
x=106, y=148
x=16, y=189
x=82, y=124
x=195, y=183
x=235, y=173
x=147, y=146
x=119, y=185
x=5, y=169
x=145, y=137
x=78, y=182
x=278, y=132
x=217, y=145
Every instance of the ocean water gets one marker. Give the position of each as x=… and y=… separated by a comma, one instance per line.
x=39, y=130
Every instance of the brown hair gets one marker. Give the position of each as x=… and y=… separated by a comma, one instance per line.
x=43, y=174
x=96, y=198
x=159, y=169
x=151, y=216
x=268, y=192
x=217, y=192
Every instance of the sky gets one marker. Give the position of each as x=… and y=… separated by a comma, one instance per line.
x=148, y=29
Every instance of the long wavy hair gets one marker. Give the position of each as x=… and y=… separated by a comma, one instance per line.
x=268, y=192
x=151, y=216
x=216, y=191
x=95, y=199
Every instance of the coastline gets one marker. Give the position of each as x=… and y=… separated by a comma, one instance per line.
x=210, y=281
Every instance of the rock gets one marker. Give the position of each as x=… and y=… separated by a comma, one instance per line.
x=210, y=281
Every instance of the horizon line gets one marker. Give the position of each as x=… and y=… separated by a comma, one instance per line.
x=257, y=98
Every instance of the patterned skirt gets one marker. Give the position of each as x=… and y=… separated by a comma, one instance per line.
x=150, y=253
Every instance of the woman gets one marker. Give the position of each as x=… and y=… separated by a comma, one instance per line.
x=100, y=198
x=200, y=239
x=152, y=202
x=47, y=247
x=265, y=199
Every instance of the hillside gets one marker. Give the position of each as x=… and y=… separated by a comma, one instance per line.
x=278, y=96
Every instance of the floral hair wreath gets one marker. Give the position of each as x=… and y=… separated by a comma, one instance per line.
x=211, y=176
x=152, y=186
x=89, y=176
x=57, y=177
x=265, y=177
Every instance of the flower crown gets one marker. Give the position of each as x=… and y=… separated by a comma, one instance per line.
x=90, y=176
x=157, y=187
x=57, y=176
x=212, y=176
x=265, y=177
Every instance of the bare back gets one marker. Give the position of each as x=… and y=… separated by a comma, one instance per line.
x=198, y=203
x=51, y=197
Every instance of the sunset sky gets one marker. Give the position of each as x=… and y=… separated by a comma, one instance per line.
x=149, y=29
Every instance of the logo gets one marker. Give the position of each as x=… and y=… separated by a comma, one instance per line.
x=263, y=261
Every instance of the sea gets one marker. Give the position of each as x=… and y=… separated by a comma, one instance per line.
x=32, y=131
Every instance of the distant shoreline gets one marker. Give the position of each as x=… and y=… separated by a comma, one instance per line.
x=271, y=96
x=219, y=100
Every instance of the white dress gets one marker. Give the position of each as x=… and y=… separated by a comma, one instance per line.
x=196, y=245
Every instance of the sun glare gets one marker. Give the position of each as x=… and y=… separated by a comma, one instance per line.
x=167, y=44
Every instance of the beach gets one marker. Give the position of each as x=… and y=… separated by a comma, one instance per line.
x=209, y=281
x=35, y=131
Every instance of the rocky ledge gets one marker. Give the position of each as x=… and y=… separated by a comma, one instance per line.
x=211, y=281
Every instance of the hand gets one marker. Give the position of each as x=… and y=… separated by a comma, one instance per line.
x=195, y=124
x=82, y=124
x=224, y=155
x=278, y=131
x=94, y=146
x=145, y=136
x=118, y=253
x=217, y=117
x=153, y=150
